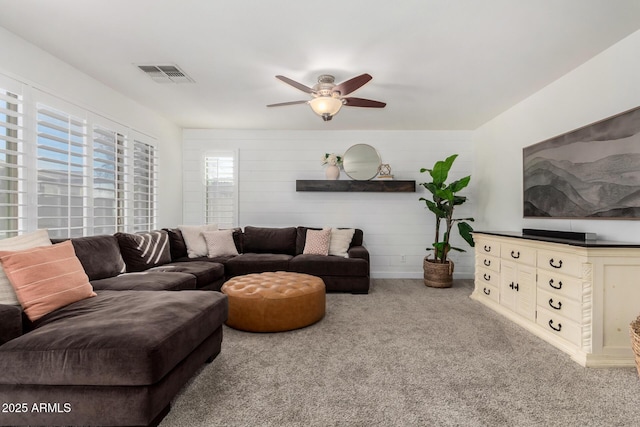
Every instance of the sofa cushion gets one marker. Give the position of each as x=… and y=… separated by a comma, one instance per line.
x=318, y=265
x=194, y=240
x=256, y=263
x=122, y=338
x=220, y=243
x=142, y=251
x=270, y=240
x=177, y=246
x=18, y=243
x=341, y=241
x=317, y=242
x=99, y=255
x=147, y=281
x=46, y=278
x=205, y=272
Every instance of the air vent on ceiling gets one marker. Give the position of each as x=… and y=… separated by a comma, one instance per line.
x=166, y=74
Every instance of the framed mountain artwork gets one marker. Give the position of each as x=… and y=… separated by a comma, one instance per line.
x=591, y=172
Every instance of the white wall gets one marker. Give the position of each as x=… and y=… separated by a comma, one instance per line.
x=394, y=224
x=606, y=85
x=28, y=64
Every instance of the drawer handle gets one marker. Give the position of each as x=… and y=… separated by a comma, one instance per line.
x=558, y=329
x=487, y=277
x=554, y=265
x=487, y=291
x=487, y=262
x=556, y=307
x=555, y=287
x=514, y=286
x=487, y=248
x=515, y=255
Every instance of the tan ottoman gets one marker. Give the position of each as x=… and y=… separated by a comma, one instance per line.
x=275, y=301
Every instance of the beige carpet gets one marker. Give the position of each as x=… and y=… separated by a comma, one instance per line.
x=404, y=355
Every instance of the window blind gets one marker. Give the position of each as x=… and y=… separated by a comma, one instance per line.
x=220, y=190
x=109, y=191
x=145, y=186
x=12, y=170
x=62, y=177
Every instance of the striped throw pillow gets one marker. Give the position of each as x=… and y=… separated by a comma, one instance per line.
x=46, y=278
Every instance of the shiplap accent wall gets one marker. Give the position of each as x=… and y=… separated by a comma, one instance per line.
x=397, y=226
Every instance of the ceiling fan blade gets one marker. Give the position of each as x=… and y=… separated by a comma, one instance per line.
x=295, y=84
x=361, y=102
x=287, y=103
x=345, y=88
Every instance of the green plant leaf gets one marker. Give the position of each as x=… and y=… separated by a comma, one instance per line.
x=460, y=184
x=465, y=232
x=441, y=169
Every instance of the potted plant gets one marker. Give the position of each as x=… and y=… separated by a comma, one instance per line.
x=438, y=271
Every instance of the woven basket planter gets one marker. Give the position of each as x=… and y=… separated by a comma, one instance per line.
x=635, y=341
x=437, y=275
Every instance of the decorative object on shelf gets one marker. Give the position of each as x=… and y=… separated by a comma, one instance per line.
x=444, y=200
x=591, y=172
x=333, y=161
x=384, y=171
x=634, y=329
x=361, y=162
x=328, y=97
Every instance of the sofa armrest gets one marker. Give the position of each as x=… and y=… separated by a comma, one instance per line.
x=10, y=322
x=358, y=252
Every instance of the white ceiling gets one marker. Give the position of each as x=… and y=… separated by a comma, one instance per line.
x=438, y=64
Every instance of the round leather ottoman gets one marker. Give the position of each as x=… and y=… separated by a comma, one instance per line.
x=274, y=301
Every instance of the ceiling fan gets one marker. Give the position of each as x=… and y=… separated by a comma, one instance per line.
x=329, y=97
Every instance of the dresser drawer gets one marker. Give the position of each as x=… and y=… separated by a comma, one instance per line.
x=561, y=285
x=560, y=326
x=487, y=247
x=520, y=254
x=488, y=262
x=560, y=305
x=485, y=275
x=560, y=263
x=491, y=292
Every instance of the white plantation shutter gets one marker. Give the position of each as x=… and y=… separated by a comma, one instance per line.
x=62, y=175
x=220, y=189
x=109, y=186
x=145, y=186
x=12, y=169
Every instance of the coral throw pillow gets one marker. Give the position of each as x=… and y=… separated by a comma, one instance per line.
x=220, y=243
x=19, y=243
x=46, y=278
x=317, y=242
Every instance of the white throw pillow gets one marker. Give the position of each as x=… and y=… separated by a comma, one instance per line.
x=194, y=240
x=220, y=243
x=317, y=242
x=19, y=243
x=340, y=241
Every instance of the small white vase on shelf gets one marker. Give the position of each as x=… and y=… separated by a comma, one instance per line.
x=332, y=172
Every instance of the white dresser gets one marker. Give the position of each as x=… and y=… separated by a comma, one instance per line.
x=578, y=296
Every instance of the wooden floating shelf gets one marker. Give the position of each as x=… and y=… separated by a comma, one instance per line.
x=380, y=186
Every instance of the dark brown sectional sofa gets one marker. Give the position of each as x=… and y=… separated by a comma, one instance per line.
x=119, y=358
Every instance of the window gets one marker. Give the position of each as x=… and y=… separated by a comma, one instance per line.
x=62, y=175
x=71, y=171
x=220, y=189
x=12, y=172
x=109, y=195
x=144, y=186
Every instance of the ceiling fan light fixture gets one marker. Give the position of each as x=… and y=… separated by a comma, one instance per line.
x=326, y=106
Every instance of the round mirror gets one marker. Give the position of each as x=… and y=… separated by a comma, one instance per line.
x=361, y=162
